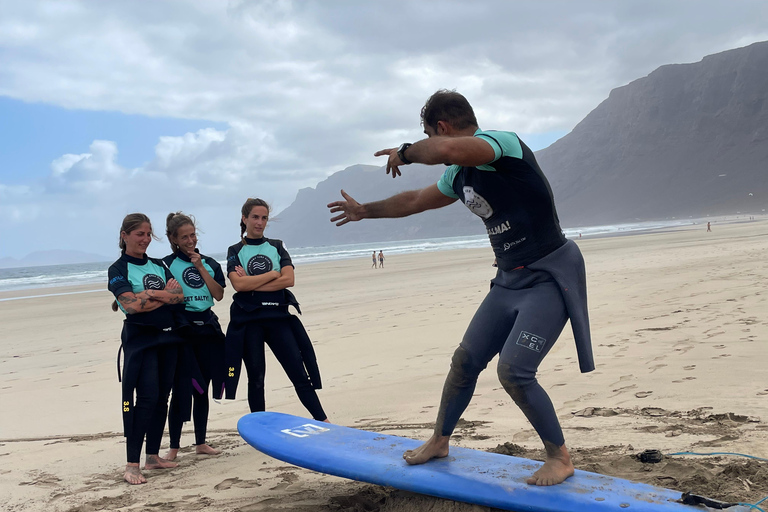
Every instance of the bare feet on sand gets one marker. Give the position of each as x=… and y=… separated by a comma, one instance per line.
x=172, y=453
x=157, y=462
x=204, y=449
x=556, y=468
x=435, y=448
x=133, y=474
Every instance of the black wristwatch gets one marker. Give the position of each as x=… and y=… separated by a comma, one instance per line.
x=401, y=153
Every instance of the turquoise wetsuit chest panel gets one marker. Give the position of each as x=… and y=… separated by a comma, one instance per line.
x=258, y=256
x=197, y=296
x=135, y=275
x=512, y=197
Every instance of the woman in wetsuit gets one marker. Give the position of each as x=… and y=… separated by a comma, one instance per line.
x=261, y=271
x=202, y=280
x=147, y=293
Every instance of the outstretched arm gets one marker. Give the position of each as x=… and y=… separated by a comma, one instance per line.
x=399, y=205
x=439, y=149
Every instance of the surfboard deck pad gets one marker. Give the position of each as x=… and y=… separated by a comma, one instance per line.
x=466, y=475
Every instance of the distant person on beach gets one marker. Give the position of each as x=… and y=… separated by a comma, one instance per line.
x=261, y=271
x=373, y=259
x=381, y=259
x=709, y=228
x=149, y=296
x=540, y=281
x=202, y=280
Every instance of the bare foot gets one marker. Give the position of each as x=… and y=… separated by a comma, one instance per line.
x=157, y=462
x=556, y=468
x=172, y=453
x=133, y=474
x=204, y=449
x=326, y=420
x=435, y=448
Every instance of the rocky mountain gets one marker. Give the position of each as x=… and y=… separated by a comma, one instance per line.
x=52, y=257
x=686, y=140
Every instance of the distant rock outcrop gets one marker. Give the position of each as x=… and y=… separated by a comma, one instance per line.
x=52, y=257
x=687, y=140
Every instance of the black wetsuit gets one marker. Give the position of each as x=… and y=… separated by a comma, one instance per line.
x=150, y=342
x=526, y=309
x=203, y=350
x=262, y=317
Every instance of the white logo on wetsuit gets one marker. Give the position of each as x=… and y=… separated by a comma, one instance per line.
x=192, y=277
x=153, y=282
x=531, y=341
x=477, y=203
x=259, y=264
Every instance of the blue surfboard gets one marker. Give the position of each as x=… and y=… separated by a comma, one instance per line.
x=471, y=476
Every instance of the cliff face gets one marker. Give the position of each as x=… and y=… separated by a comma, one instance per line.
x=687, y=140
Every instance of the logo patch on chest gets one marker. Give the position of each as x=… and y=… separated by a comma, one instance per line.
x=153, y=282
x=192, y=277
x=477, y=203
x=259, y=264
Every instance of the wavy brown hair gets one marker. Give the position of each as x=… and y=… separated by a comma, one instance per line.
x=172, y=224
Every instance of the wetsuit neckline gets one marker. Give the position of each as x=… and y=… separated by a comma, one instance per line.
x=135, y=261
x=183, y=257
x=254, y=241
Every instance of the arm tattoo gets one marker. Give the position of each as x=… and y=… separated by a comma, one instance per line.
x=180, y=298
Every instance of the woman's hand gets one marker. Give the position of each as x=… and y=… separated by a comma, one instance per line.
x=196, y=260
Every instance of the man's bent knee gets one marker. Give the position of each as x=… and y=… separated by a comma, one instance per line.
x=464, y=369
x=514, y=380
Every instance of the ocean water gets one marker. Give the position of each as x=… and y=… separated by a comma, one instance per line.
x=49, y=276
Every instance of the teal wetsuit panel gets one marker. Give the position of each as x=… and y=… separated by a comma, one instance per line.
x=197, y=296
x=134, y=275
x=513, y=198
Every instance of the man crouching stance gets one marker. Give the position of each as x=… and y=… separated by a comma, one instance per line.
x=540, y=282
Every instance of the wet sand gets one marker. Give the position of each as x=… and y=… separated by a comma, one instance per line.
x=680, y=336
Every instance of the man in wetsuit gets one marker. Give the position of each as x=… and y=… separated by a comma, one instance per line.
x=540, y=282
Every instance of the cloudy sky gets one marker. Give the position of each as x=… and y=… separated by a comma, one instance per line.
x=112, y=107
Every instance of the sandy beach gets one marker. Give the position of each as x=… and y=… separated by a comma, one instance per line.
x=680, y=332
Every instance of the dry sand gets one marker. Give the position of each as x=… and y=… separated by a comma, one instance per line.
x=679, y=327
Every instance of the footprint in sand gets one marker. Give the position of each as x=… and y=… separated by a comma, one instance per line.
x=643, y=394
x=236, y=482
x=689, y=367
x=656, y=367
x=763, y=392
x=722, y=355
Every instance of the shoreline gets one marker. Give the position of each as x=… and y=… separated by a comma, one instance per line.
x=91, y=287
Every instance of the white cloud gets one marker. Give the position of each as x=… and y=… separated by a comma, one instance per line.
x=310, y=87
